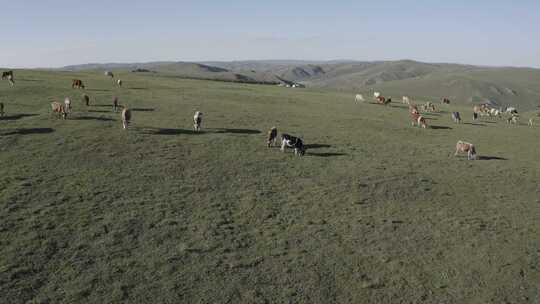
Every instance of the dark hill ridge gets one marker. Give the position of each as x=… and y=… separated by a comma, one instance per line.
x=461, y=83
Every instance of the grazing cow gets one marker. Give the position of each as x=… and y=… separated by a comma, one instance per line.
x=59, y=109
x=359, y=98
x=481, y=110
x=119, y=82
x=272, y=137
x=293, y=142
x=197, y=121
x=115, y=104
x=67, y=103
x=110, y=74
x=376, y=95
x=446, y=101
x=428, y=107
x=512, y=120
x=126, y=117
x=7, y=74
x=465, y=147
x=382, y=100
x=1, y=109
x=495, y=113
x=77, y=84
x=474, y=116
x=86, y=99
x=511, y=110
x=531, y=122
x=405, y=100
x=418, y=120
x=456, y=117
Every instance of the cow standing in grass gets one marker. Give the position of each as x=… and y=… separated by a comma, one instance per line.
x=293, y=142
x=126, y=118
x=359, y=98
x=60, y=109
x=115, y=104
x=1, y=109
x=272, y=137
x=445, y=101
x=197, y=121
x=67, y=103
x=406, y=100
x=531, y=122
x=456, y=117
x=465, y=147
x=418, y=120
x=77, y=84
x=9, y=76
x=119, y=82
x=109, y=74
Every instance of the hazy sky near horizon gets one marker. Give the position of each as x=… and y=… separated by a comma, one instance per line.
x=55, y=33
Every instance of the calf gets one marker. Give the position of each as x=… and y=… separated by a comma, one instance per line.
x=197, y=121
x=466, y=147
x=272, y=137
x=60, y=109
x=126, y=117
x=293, y=142
x=456, y=117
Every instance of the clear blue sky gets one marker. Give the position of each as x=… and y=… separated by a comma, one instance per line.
x=43, y=33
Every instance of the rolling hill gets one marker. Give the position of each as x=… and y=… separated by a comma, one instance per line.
x=464, y=84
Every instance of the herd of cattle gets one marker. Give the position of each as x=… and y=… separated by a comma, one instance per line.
x=483, y=110
x=296, y=143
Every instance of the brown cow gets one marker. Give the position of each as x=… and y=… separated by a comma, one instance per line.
x=418, y=120
x=60, y=109
x=77, y=84
x=272, y=137
x=466, y=147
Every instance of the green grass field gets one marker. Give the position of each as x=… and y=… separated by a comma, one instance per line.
x=377, y=211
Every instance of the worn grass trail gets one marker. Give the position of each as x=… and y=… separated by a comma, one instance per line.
x=376, y=212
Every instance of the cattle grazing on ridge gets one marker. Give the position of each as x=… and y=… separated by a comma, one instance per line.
x=59, y=109
x=77, y=84
x=272, y=137
x=359, y=98
x=197, y=121
x=293, y=142
x=456, y=117
x=465, y=147
x=126, y=117
x=86, y=100
x=418, y=120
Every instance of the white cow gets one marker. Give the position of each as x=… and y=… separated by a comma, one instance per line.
x=119, y=82
x=406, y=100
x=359, y=98
x=376, y=94
x=197, y=121
x=67, y=103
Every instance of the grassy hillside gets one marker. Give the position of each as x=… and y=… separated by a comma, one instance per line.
x=464, y=84
x=376, y=212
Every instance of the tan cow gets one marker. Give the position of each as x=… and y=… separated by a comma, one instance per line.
x=465, y=147
x=59, y=109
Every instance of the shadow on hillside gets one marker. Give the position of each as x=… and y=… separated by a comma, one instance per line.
x=474, y=124
x=102, y=105
x=31, y=80
x=98, y=90
x=99, y=111
x=16, y=116
x=235, y=131
x=143, y=109
x=92, y=118
x=24, y=131
x=491, y=158
x=325, y=154
x=440, y=128
x=138, y=88
x=317, y=146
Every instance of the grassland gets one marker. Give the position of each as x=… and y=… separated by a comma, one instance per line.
x=376, y=212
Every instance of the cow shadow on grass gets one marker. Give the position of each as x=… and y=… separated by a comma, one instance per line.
x=484, y=157
x=474, y=124
x=98, y=90
x=16, y=116
x=102, y=105
x=138, y=88
x=171, y=131
x=325, y=154
x=143, y=109
x=234, y=131
x=317, y=146
x=92, y=118
x=100, y=111
x=440, y=128
x=27, y=131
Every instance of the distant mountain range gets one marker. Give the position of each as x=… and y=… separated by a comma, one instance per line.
x=499, y=86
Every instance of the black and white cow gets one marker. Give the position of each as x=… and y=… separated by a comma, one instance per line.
x=293, y=142
x=456, y=117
